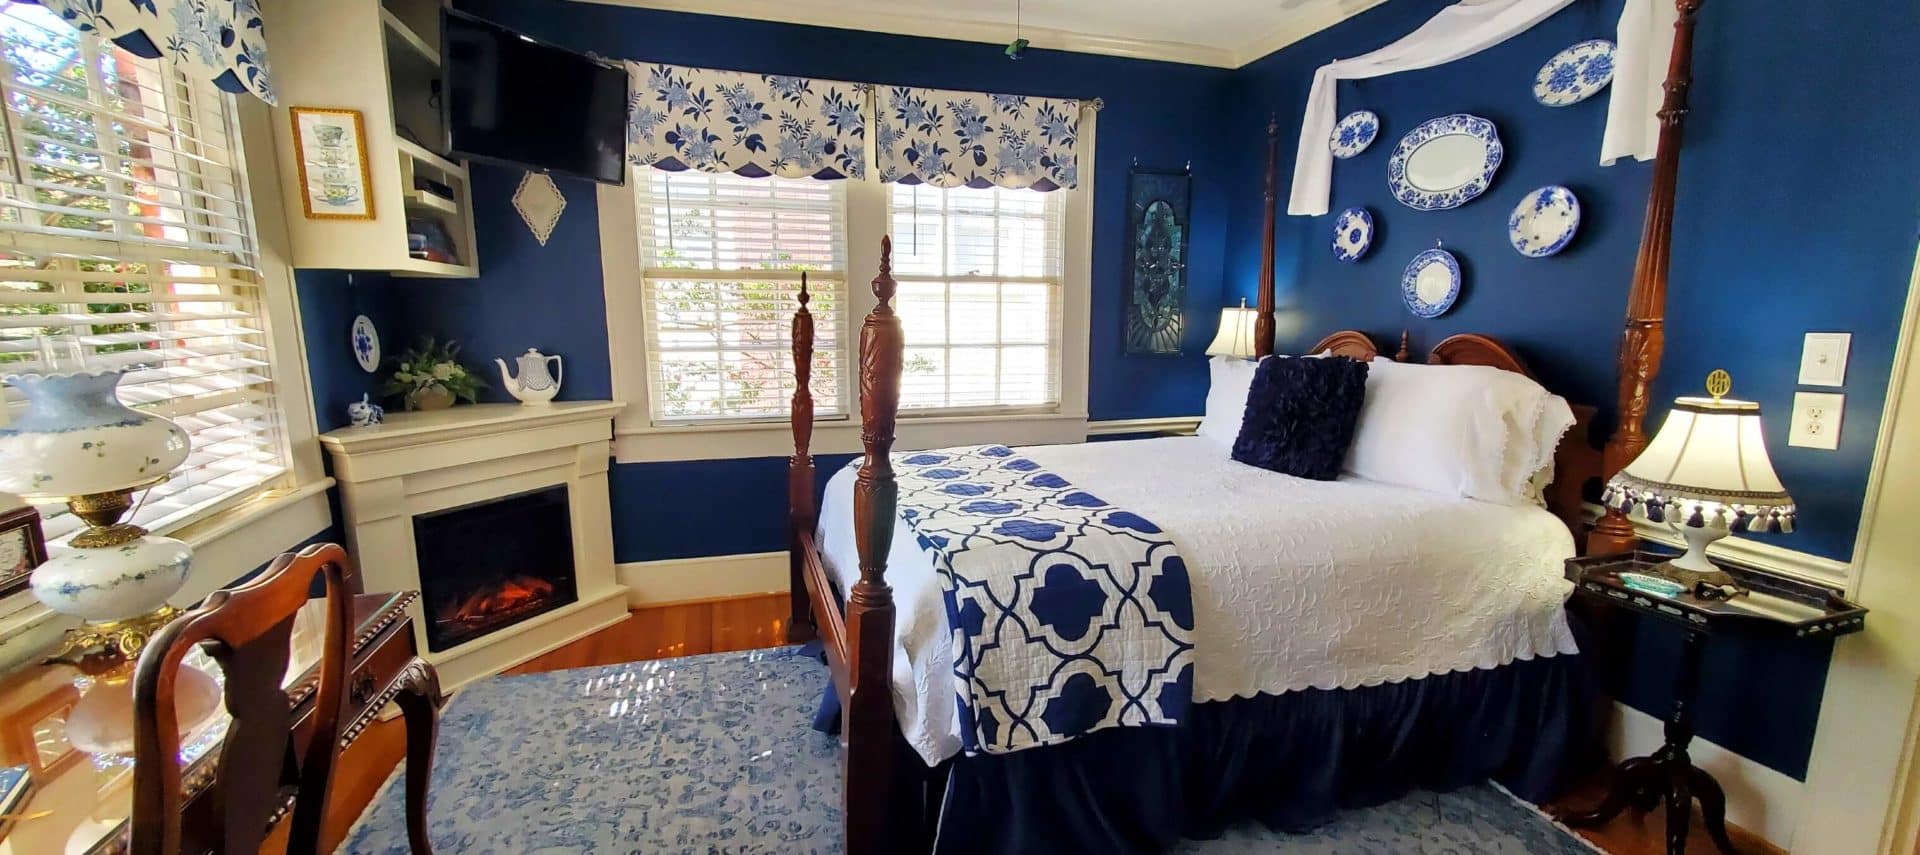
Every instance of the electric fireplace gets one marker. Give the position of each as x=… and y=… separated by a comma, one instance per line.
x=489, y=565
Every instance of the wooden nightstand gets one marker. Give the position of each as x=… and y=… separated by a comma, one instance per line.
x=1774, y=606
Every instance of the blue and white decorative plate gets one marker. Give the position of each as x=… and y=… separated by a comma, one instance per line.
x=1431, y=283
x=1354, y=134
x=1544, y=221
x=366, y=344
x=1575, y=74
x=1352, y=234
x=1445, y=162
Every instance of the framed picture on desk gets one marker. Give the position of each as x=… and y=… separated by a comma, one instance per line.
x=22, y=548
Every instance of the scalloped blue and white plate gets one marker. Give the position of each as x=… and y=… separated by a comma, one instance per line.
x=1431, y=283
x=1352, y=234
x=1544, y=222
x=1445, y=162
x=1354, y=134
x=1575, y=74
x=366, y=344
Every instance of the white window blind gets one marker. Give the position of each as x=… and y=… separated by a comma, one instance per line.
x=981, y=280
x=723, y=257
x=124, y=221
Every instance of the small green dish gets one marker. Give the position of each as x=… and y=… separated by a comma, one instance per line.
x=1654, y=585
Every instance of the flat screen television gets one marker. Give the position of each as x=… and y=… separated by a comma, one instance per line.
x=511, y=99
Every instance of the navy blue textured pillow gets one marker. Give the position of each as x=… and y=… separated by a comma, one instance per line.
x=1301, y=415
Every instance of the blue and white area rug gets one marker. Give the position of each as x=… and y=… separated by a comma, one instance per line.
x=713, y=754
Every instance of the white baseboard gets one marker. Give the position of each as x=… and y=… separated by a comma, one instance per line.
x=1759, y=799
x=1120, y=427
x=651, y=583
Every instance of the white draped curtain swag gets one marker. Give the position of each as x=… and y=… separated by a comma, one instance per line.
x=223, y=41
x=973, y=139
x=1644, y=46
x=752, y=124
x=1458, y=31
x=799, y=127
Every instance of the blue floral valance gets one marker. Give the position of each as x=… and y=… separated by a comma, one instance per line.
x=752, y=124
x=951, y=139
x=223, y=41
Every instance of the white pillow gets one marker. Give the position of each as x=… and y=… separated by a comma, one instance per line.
x=1464, y=430
x=1229, y=380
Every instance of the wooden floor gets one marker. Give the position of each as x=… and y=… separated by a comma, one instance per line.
x=751, y=622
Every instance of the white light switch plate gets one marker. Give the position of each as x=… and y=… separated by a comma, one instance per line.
x=1823, y=359
x=1816, y=420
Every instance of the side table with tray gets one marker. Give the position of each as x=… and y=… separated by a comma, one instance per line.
x=1758, y=603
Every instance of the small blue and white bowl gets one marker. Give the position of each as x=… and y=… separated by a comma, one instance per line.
x=1352, y=234
x=1544, y=222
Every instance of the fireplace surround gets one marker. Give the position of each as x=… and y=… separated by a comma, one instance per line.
x=498, y=514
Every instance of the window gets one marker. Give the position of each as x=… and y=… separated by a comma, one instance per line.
x=124, y=221
x=981, y=279
x=723, y=257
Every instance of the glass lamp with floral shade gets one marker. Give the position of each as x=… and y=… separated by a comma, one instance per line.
x=76, y=441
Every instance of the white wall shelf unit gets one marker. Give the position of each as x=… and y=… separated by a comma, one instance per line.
x=382, y=58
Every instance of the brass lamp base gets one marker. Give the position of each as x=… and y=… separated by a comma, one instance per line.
x=1693, y=578
x=92, y=644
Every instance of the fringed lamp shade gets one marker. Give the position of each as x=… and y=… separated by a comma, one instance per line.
x=1707, y=474
x=1236, y=333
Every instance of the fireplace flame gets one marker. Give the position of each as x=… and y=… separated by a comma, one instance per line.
x=513, y=595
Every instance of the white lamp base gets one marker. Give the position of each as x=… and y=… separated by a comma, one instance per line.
x=1694, y=566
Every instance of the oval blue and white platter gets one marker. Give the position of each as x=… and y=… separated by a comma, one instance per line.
x=1352, y=234
x=1445, y=162
x=1354, y=134
x=1431, y=283
x=1575, y=74
x=1544, y=221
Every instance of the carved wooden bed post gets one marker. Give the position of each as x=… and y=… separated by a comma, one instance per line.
x=801, y=514
x=869, y=790
x=1263, y=317
x=1644, y=340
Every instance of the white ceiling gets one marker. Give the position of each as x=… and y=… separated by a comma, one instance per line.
x=1226, y=33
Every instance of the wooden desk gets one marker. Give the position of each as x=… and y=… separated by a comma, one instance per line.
x=87, y=798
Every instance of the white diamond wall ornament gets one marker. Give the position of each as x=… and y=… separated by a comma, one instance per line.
x=539, y=203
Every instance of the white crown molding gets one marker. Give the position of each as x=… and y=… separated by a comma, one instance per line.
x=996, y=33
x=1749, y=553
x=1301, y=24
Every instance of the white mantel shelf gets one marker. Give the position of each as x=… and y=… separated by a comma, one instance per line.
x=407, y=430
x=420, y=463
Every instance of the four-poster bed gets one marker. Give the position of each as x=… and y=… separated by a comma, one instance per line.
x=892, y=800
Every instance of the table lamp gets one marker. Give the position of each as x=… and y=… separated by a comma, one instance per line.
x=1707, y=475
x=1236, y=332
x=76, y=441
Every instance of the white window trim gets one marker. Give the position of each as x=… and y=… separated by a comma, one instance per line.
x=637, y=440
x=233, y=538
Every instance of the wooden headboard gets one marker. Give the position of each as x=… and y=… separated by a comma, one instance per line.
x=1575, y=462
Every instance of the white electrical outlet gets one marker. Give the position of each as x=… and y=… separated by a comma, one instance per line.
x=1816, y=420
x=1823, y=359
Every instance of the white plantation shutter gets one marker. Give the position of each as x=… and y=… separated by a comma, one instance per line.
x=981, y=280
x=124, y=221
x=723, y=257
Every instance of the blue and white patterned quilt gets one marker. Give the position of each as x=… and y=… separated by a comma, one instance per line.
x=1069, y=615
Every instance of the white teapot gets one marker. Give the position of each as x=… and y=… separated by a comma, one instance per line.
x=535, y=386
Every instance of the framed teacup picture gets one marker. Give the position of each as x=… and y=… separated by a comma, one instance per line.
x=22, y=548
x=331, y=146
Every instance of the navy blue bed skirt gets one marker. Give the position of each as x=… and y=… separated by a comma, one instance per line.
x=1289, y=761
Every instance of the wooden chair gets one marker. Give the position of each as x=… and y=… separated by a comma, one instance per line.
x=257, y=773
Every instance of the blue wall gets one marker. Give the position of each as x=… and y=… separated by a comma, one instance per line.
x=1776, y=236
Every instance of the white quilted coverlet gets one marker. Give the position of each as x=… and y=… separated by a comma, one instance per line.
x=1296, y=584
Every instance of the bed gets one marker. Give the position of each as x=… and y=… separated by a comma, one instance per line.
x=1287, y=737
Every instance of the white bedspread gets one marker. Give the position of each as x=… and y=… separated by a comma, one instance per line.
x=1296, y=584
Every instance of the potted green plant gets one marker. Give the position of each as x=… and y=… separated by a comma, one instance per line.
x=430, y=377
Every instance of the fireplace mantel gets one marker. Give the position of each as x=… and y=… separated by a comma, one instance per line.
x=418, y=463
